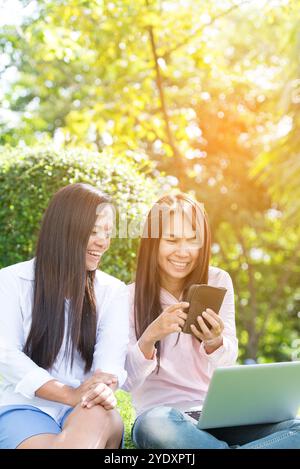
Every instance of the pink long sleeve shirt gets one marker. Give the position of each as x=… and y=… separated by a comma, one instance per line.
x=185, y=369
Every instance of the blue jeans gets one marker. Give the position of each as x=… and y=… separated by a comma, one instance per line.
x=167, y=428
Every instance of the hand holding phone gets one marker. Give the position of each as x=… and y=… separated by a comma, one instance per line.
x=200, y=298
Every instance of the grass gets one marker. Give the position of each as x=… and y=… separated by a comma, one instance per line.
x=128, y=415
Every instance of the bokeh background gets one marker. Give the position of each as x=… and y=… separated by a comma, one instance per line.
x=145, y=96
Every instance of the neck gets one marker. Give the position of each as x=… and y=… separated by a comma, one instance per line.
x=172, y=285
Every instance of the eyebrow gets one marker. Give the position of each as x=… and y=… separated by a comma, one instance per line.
x=172, y=235
x=105, y=228
x=97, y=225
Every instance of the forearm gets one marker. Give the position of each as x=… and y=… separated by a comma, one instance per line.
x=140, y=362
x=56, y=391
x=147, y=347
x=213, y=346
x=224, y=355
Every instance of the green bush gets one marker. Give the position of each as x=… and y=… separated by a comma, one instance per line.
x=29, y=177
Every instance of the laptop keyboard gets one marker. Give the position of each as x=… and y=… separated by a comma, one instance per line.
x=195, y=414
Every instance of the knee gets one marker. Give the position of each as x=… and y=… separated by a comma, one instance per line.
x=109, y=424
x=115, y=421
x=294, y=425
x=157, y=428
x=106, y=418
x=115, y=429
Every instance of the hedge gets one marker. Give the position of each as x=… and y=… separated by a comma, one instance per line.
x=30, y=176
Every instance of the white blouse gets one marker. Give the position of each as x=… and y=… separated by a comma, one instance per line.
x=20, y=377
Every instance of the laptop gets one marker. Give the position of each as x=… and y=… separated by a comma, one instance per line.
x=248, y=395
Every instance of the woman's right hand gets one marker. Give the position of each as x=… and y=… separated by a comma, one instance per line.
x=171, y=320
x=98, y=377
x=99, y=394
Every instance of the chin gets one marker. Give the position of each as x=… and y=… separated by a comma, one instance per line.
x=90, y=268
x=179, y=274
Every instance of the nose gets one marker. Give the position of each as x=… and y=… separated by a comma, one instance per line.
x=102, y=243
x=183, y=249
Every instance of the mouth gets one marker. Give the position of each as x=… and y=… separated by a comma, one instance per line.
x=95, y=255
x=179, y=265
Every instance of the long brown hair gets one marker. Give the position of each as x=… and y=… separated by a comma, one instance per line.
x=60, y=273
x=147, y=305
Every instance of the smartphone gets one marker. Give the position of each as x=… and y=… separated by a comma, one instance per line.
x=201, y=297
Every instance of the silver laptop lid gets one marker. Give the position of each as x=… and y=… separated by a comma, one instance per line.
x=252, y=394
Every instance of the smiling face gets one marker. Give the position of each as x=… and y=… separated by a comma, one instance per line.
x=179, y=249
x=99, y=240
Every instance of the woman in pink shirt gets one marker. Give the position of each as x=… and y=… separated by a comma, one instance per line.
x=168, y=369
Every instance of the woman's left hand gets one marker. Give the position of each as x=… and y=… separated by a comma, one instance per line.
x=99, y=394
x=212, y=338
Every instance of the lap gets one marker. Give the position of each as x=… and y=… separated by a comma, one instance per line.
x=244, y=434
x=167, y=427
x=164, y=427
x=18, y=423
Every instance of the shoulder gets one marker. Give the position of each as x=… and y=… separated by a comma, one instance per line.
x=111, y=298
x=131, y=288
x=108, y=281
x=218, y=277
x=22, y=270
x=108, y=287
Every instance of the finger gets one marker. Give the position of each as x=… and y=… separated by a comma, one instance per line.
x=172, y=308
x=88, y=405
x=177, y=320
x=219, y=328
x=181, y=314
x=110, y=405
x=96, y=401
x=111, y=402
x=94, y=392
x=215, y=316
x=211, y=320
x=196, y=332
x=177, y=314
x=175, y=328
x=89, y=396
x=204, y=329
x=100, y=399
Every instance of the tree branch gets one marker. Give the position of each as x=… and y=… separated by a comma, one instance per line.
x=201, y=28
x=163, y=106
x=253, y=334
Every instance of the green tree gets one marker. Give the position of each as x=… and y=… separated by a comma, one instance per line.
x=279, y=161
x=200, y=88
x=29, y=177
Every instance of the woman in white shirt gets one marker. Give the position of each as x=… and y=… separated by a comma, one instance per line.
x=63, y=332
x=169, y=371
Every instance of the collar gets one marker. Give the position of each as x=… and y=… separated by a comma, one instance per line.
x=25, y=269
x=167, y=298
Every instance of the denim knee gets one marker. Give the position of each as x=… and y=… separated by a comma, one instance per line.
x=292, y=424
x=157, y=428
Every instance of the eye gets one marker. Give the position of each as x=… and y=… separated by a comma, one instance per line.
x=196, y=242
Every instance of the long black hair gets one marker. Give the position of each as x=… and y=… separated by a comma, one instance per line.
x=60, y=273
